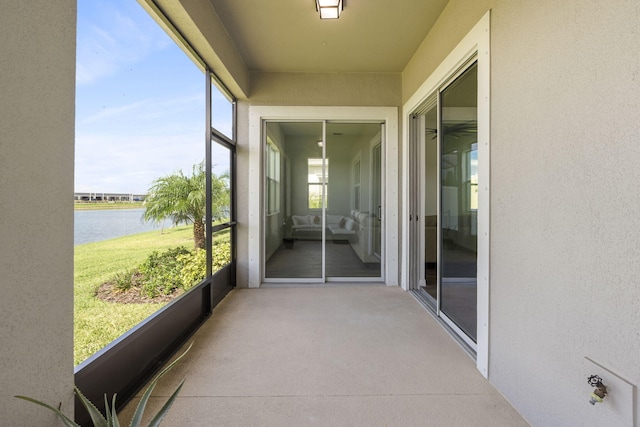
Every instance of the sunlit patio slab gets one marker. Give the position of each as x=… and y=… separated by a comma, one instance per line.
x=327, y=355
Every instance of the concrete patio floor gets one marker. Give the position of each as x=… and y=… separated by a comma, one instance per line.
x=327, y=356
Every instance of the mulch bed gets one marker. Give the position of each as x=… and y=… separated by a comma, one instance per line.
x=108, y=292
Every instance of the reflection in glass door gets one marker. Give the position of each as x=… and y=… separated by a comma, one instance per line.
x=459, y=202
x=321, y=201
x=430, y=191
x=376, y=196
x=444, y=205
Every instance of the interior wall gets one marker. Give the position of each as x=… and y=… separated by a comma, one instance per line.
x=36, y=208
x=274, y=230
x=339, y=152
x=299, y=149
x=565, y=123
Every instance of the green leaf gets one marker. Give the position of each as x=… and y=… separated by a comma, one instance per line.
x=111, y=419
x=66, y=420
x=107, y=410
x=114, y=417
x=137, y=416
x=96, y=416
x=165, y=408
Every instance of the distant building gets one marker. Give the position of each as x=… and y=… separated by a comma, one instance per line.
x=108, y=197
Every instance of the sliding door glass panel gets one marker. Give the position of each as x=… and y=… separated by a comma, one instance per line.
x=431, y=185
x=376, y=196
x=293, y=188
x=459, y=202
x=353, y=191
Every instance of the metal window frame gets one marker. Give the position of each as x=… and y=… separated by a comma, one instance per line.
x=139, y=353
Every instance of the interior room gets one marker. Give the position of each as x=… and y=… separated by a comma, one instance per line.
x=323, y=200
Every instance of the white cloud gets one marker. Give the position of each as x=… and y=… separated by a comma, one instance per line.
x=109, y=40
x=148, y=109
x=130, y=163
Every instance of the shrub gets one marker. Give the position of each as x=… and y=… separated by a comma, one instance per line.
x=194, y=266
x=162, y=272
x=125, y=280
x=221, y=255
x=176, y=268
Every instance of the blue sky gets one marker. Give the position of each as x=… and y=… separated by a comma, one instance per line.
x=139, y=101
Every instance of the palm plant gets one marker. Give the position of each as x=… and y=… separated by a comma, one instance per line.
x=183, y=199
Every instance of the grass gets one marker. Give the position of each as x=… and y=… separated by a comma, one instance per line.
x=96, y=322
x=107, y=205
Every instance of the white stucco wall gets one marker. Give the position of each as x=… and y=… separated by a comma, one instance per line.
x=565, y=133
x=367, y=89
x=37, y=66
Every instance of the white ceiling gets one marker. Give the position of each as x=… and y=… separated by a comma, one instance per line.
x=288, y=35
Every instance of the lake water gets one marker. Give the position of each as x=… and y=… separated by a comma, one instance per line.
x=94, y=226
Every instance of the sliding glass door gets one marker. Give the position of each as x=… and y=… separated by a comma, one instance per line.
x=459, y=202
x=444, y=202
x=322, y=202
x=294, y=187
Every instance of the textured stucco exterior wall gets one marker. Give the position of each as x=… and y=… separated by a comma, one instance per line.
x=566, y=236
x=457, y=18
x=37, y=65
x=242, y=185
x=565, y=133
x=366, y=89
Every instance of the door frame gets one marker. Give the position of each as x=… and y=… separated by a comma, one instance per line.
x=255, y=225
x=476, y=42
x=378, y=211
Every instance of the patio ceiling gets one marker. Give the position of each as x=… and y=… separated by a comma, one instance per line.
x=288, y=36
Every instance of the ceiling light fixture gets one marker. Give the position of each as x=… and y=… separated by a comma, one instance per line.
x=329, y=9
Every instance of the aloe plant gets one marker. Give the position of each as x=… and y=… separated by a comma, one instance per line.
x=111, y=419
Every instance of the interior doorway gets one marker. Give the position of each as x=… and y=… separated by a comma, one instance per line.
x=323, y=192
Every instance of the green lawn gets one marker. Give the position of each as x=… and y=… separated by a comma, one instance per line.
x=97, y=323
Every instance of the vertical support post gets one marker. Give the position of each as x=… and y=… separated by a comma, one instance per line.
x=208, y=167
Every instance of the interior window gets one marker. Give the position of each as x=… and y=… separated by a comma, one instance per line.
x=273, y=179
x=316, y=183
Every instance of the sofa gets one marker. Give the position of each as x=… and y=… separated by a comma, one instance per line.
x=309, y=227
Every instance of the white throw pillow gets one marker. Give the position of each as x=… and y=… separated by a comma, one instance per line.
x=300, y=219
x=350, y=224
